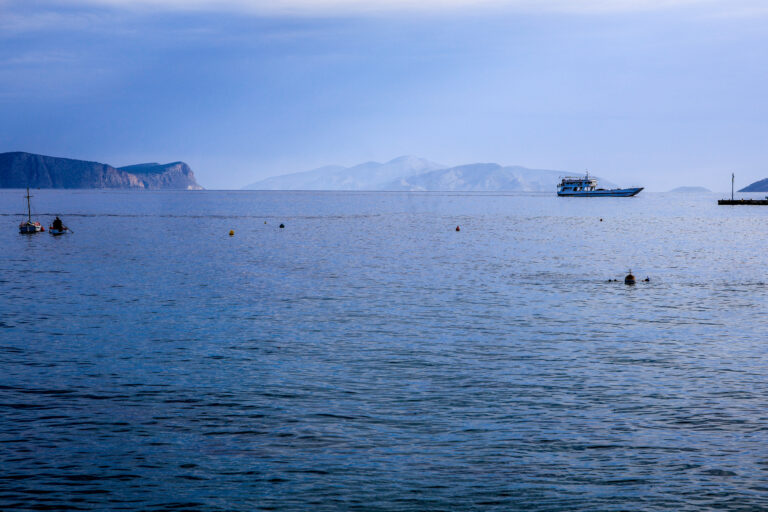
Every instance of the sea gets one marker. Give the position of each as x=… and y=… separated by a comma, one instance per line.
x=383, y=352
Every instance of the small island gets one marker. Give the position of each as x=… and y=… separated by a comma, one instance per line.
x=20, y=170
x=690, y=190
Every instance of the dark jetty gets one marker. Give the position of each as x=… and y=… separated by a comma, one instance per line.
x=742, y=201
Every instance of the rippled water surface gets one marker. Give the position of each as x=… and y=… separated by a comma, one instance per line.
x=370, y=357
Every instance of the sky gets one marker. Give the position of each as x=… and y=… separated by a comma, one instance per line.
x=652, y=93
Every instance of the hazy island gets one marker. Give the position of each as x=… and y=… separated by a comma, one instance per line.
x=21, y=170
x=409, y=173
x=690, y=190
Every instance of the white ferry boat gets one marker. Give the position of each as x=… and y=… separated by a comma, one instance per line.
x=587, y=187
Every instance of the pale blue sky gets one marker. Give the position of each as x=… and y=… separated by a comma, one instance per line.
x=653, y=93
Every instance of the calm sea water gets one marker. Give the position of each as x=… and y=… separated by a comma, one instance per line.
x=370, y=357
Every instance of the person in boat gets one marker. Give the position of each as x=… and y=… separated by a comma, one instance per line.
x=57, y=224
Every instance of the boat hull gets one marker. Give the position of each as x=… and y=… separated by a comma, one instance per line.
x=57, y=232
x=617, y=192
x=30, y=228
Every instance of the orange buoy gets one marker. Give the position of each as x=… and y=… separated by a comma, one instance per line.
x=458, y=228
x=231, y=232
x=630, y=279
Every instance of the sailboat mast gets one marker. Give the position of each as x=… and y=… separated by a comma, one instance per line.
x=29, y=208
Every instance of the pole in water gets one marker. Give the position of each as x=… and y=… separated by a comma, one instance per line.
x=29, y=208
x=733, y=177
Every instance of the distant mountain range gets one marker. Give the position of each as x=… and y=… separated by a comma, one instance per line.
x=410, y=173
x=758, y=186
x=20, y=170
x=366, y=176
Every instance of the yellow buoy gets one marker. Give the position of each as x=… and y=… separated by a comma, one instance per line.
x=231, y=232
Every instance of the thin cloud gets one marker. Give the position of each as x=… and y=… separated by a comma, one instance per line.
x=38, y=58
x=337, y=7
x=24, y=20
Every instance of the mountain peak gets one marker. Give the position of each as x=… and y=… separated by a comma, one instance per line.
x=365, y=176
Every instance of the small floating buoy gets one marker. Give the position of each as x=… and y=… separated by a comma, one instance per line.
x=647, y=279
x=458, y=228
x=601, y=220
x=282, y=226
x=265, y=222
x=630, y=279
x=231, y=232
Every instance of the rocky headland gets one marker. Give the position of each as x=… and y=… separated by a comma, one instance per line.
x=21, y=170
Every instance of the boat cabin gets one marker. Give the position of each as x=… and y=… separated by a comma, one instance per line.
x=572, y=184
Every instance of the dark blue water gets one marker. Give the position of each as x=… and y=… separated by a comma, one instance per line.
x=369, y=357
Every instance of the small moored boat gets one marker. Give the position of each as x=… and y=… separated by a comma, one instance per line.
x=587, y=187
x=28, y=227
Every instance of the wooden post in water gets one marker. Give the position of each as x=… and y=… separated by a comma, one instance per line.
x=29, y=208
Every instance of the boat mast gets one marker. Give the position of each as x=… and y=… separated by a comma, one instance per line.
x=733, y=176
x=29, y=208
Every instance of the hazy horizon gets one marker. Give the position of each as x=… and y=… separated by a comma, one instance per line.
x=665, y=94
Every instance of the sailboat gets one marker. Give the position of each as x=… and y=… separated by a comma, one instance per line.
x=28, y=227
